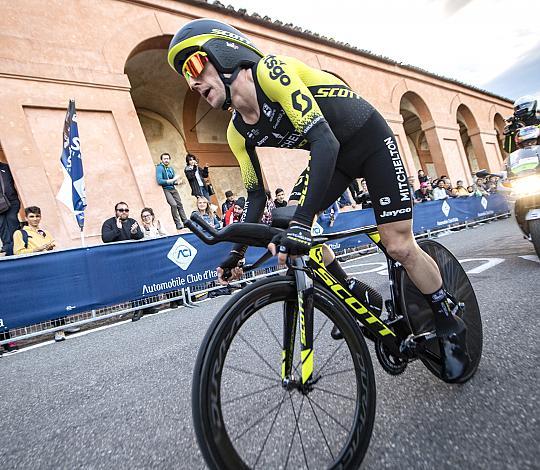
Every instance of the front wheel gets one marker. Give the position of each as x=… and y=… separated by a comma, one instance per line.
x=534, y=228
x=420, y=314
x=244, y=417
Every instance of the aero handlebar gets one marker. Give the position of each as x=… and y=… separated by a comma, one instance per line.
x=245, y=233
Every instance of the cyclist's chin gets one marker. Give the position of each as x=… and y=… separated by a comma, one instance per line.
x=214, y=99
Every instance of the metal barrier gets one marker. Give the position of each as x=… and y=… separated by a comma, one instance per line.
x=188, y=296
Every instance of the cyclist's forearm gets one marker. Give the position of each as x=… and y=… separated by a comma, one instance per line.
x=324, y=150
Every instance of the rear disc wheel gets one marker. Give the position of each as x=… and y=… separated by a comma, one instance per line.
x=420, y=314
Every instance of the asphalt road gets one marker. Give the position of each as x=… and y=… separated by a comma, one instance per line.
x=120, y=397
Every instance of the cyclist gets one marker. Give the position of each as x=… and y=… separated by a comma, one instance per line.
x=278, y=101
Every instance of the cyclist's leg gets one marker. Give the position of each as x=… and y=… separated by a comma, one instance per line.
x=387, y=184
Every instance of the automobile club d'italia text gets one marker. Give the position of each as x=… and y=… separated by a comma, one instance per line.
x=179, y=281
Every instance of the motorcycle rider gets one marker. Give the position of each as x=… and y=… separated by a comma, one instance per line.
x=526, y=113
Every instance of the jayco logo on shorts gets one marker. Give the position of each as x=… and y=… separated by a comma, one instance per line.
x=182, y=253
x=384, y=201
x=396, y=212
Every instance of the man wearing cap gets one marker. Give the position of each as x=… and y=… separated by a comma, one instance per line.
x=235, y=212
x=229, y=202
x=423, y=194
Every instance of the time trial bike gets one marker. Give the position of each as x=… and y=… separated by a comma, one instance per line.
x=275, y=387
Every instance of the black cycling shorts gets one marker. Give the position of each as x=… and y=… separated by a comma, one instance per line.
x=371, y=154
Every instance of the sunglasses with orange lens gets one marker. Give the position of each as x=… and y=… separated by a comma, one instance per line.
x=194, y=65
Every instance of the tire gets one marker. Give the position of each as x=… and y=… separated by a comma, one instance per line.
x=534, y=229
x=273, y=427
x=420, y=315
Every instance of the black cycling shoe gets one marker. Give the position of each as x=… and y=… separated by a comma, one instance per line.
x=454, y=355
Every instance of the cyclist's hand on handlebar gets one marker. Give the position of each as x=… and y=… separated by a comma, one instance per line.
x=295, y=241
x=226, y=275
x=231, y=268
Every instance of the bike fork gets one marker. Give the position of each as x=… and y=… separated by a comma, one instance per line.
x=303, y=309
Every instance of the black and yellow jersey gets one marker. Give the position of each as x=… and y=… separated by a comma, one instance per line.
x=301, y=108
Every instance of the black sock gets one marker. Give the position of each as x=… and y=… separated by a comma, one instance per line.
x=335, y=269
x=439, y=302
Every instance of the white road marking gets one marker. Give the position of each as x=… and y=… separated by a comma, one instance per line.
x=488, y=263
x=381, y=268
x=531, y=258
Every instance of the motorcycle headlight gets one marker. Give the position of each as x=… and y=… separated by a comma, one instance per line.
x=527, y=185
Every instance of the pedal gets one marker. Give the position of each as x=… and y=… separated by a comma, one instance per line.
x=415, y=344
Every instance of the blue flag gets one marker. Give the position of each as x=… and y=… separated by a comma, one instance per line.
x=72, y=193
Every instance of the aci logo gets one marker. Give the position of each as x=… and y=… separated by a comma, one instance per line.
x=445, y=208
x=182, y=253
x=316, y=230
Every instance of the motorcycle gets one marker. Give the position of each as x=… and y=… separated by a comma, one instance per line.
x=522, y=178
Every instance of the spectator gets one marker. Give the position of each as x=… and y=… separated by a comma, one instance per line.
x=364, y=197
x=354, y=188
x=167, y=180
x=120, y=227
x=491, y=185
x=9, y=222
x=151, y=227
x=195, y=176
x=422, y=178
x=460, y=190
x=205, y=210
x=475, y=191
x=235, y=212
x=423, y=194
x=440, y=191
x=229, y=201
x=448, y=186
x=480, y=182
x=330, y=214
x=280, y=201
x=268, y=208
x=33, y=239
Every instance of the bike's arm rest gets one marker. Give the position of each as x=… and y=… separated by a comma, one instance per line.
x=244, y=233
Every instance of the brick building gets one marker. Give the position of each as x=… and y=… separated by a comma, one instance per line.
x=110, y=56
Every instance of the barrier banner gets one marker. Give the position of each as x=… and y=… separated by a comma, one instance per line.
x=51, y=285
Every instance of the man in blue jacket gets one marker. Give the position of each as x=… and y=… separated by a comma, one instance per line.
x=167, y=180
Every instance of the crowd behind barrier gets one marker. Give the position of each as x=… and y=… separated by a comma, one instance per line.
x=137, y=274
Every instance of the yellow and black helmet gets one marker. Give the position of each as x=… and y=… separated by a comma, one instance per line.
x=227, y=48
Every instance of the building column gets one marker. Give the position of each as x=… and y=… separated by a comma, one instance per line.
x=447, y=150
x=487, y=150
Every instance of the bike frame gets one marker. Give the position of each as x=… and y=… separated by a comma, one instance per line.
x=306, y=270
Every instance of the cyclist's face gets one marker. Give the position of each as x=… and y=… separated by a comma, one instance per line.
x=209, y=86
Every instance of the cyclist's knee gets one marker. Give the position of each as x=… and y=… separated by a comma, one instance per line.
x=401, y=247
x=402, y=252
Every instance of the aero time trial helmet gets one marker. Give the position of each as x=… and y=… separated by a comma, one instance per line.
x=225, y=47
x=525, y=107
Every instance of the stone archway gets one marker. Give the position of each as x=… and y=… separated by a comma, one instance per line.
x=467, y=128
x=415, y=114
x=499, y=124
x=175, y=120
